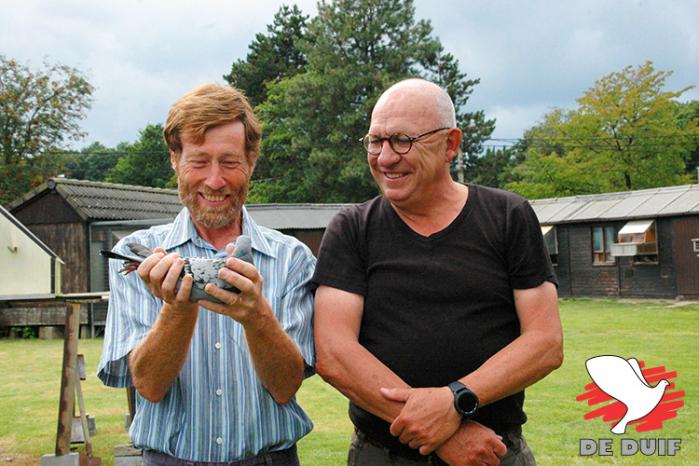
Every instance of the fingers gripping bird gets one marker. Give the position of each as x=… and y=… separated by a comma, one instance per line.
x=623, y=380
x=203, y=270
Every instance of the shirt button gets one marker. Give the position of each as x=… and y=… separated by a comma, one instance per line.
x=217, y=345
x=219, y=392
x=219, y=440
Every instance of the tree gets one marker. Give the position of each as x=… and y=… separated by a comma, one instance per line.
x=494, y=167
x=272, y=56
x=313, y=120
x=624, y=135
x=146, y=162
x=39, y=112
x=688, y=116
x=93, y=162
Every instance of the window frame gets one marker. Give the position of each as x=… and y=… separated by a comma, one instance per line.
x=602, y=257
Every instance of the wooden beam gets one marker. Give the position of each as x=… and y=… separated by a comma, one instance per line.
x=66, y=405
x=36, y=315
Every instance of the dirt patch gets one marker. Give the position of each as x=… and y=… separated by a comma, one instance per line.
x=10, y=457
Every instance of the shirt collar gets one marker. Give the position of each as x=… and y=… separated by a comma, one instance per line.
x=183, y=231
x=257, y=237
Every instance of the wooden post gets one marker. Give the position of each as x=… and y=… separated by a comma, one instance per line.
x=66, y=404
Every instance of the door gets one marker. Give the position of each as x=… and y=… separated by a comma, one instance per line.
x=684, y=230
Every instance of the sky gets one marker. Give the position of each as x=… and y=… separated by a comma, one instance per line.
x=531, y=56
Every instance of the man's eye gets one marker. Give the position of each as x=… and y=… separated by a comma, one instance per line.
x=400, y=139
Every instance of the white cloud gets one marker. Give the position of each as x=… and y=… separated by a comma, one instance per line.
x=530, y=56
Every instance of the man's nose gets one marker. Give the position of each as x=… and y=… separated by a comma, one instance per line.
x=387, y=156
x=215, y=180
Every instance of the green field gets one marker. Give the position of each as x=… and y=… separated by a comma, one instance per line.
x=660, y=333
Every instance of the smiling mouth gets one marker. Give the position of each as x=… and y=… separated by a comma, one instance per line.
x=394, y=176
x=213, y=198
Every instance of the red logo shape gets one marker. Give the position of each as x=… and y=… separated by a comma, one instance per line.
x=612, y=410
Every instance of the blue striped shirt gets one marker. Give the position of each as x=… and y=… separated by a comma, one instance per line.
x=217, y=409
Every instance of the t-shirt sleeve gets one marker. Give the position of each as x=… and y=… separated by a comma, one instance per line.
x=130, y=315
x=529, y=264
x=340, y=260
x=296, y=315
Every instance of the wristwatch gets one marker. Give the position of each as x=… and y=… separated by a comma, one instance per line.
x=465, y=401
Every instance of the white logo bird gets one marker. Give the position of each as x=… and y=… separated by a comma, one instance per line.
x=623, y=380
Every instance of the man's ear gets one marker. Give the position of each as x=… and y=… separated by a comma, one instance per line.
x=453, y=143
x=173, y=160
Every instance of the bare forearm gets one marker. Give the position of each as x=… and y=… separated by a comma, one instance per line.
x=526, y=360
x=277, y=360
x=158, y=359
x=359, y=375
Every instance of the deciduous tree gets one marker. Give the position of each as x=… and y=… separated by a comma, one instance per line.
x=39, y=113
x=625, y=134
x=146, y=162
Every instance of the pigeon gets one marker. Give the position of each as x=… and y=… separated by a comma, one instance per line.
x=623, y=380
x=202, y=270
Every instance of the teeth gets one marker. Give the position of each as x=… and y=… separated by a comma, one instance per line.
x=393, y=176
x=214, y=198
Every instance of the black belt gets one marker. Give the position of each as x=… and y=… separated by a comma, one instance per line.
x=161, y=459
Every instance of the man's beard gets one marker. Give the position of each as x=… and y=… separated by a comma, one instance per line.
x=213, y=217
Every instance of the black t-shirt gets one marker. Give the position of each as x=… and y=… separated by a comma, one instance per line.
x=436, y=308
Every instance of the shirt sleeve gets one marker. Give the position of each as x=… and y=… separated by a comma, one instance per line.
x=130, y=315
x=341, y=263
x=296, y=316
x=529, y=263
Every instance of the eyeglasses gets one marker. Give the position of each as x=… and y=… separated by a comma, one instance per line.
x=400, y=143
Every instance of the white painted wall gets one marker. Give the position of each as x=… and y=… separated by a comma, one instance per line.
x=25, y=268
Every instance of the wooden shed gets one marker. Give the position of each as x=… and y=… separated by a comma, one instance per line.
x=639, y=244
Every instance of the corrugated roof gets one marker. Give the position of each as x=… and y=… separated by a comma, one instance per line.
x=109, y=201
x=646, y=203
x=294, y=216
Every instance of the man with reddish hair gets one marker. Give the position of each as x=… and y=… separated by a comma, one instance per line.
x=215, y=380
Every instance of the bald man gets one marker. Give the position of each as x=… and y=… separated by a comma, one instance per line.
x=436, y=303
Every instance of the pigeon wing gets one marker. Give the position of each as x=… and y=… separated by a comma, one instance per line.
x=611, y=374
x=633, y=362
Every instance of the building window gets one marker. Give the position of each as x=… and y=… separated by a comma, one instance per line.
x=551, y=241
x=638, y=239
x=602, y=240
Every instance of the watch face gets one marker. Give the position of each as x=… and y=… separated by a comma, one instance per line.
x=467, y=403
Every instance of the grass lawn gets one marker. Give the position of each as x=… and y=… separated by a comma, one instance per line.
x=660, y=333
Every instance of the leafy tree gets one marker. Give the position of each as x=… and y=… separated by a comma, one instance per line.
x=94, y=162
x=494, y=167
x=146, y=162
x=272, y=56
x=313, y=120
x=688, y=116
x=39, y=112
x=624, y=135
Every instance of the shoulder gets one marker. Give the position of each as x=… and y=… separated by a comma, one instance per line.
x=500, y=197
x=358, y=214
